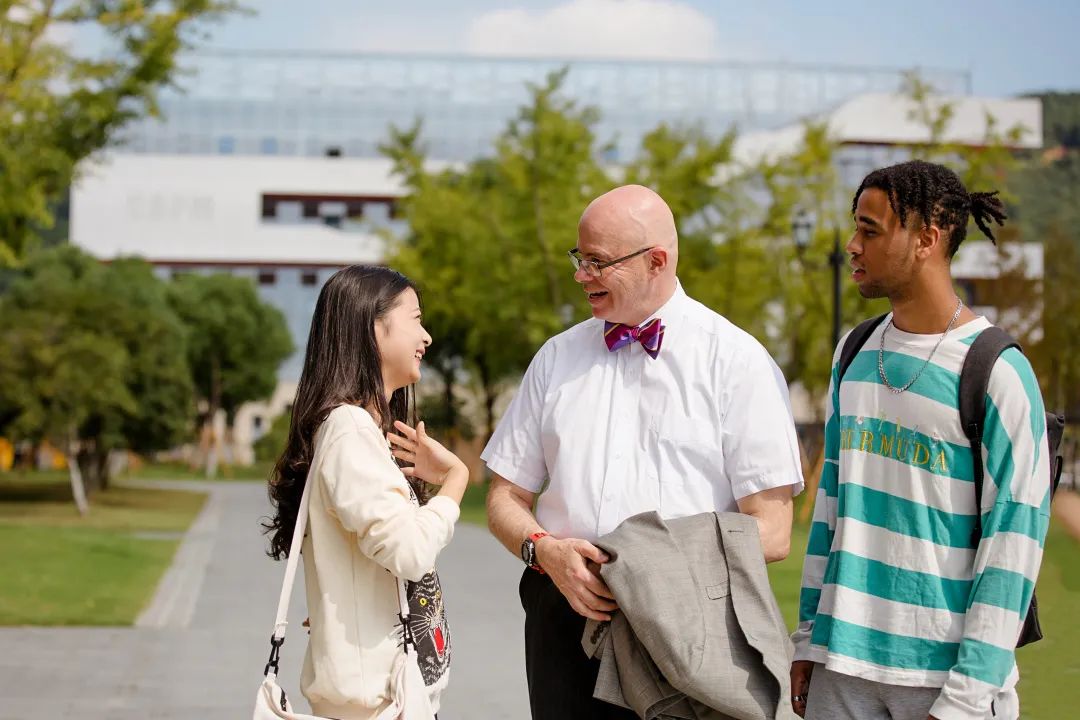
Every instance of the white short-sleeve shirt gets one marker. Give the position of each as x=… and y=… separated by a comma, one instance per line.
x=614, y=434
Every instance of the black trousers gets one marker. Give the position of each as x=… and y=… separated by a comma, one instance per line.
x=561, y=676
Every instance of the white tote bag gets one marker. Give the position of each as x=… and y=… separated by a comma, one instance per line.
x=408, y=694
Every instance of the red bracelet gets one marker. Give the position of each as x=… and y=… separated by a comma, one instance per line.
x=534, y=537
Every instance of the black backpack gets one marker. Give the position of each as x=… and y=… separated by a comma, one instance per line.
x=974, y=381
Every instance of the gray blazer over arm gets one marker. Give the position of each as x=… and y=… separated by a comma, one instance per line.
x=699, y=634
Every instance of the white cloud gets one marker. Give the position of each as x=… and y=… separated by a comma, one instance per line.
x=658, y=29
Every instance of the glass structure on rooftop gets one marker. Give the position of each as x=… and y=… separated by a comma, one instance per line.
x=312, y=104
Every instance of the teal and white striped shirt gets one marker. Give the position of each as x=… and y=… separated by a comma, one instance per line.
x=893, y=589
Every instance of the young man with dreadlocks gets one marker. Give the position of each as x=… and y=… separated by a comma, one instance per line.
x=907, y=610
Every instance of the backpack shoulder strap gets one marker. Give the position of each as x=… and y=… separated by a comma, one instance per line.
x=974, y=382
x=855, y=340
x=1055, y=431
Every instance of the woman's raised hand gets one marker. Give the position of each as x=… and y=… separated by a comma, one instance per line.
x=429, y=460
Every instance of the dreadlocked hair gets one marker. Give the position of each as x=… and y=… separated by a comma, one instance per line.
x=935, y=196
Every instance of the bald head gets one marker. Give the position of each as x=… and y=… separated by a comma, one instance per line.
x=631, y=217
x=630, y=234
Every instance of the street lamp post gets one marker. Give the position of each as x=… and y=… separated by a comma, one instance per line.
x=802, y=229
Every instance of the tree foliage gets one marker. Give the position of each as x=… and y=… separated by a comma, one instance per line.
x=236, y=343
x=59, y=107
x=484, y=237
x=93, y=359
x=97, y=357
x=722, y=259
x=487, y=242
x=1046, y=209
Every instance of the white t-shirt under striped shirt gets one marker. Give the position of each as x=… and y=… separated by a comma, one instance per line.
x=893, y=589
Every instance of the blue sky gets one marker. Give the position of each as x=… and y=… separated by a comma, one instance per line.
x=1009, y=47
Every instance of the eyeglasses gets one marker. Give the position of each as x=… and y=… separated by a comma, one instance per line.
x=592, y=268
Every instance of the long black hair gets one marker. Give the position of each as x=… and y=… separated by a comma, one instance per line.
x=935, y=195
x=341, y=366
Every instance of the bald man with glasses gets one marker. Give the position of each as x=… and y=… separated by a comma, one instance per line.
x=655, y=403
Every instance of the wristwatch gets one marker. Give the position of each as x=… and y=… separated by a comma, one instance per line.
x=528, y=551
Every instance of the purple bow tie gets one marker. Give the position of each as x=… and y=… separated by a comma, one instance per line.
x=650, y=335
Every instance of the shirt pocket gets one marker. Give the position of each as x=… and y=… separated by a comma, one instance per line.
x=688, y=458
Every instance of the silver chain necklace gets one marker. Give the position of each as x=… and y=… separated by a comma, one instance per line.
x=881, y=352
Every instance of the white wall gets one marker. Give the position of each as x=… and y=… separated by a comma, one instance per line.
x=189, y=208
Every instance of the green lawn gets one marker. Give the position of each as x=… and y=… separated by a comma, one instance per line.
x=63, y=569
x=473, y=505
x=1048, y=668
x=182, y=471
x=786, y=576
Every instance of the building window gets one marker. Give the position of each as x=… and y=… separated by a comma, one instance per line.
x=309, y=278
x=226, y=145
x=268, y=146
x=267, y=277
x=332, y=210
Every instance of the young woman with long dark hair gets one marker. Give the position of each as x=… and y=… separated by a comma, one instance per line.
x=368, y=522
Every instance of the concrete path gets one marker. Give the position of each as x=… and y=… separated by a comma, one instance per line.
x=200, y=647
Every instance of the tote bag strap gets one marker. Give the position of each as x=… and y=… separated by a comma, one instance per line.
x=277, y=638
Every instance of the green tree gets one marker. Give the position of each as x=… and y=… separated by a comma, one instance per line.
x=58, y=107
x=723, y=260
x=1061, y=120
x=159, y=373
x=1058, y=356
x=987, y=165
x=807, y=181
x=736, y=251
x=269, y=447
x=449, y=243
x=492, y=273
x=236, y=343
x=486, y=242
x=93, y=360
x=546, y=171
x=1047, y=210
x=55, y=379
x=1042, y=192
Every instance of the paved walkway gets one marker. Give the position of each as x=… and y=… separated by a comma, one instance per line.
x=202, y=644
